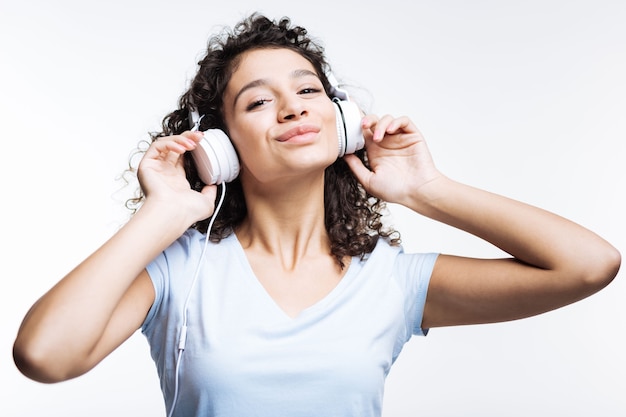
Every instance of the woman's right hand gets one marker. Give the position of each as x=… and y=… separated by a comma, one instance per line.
x=162, y=178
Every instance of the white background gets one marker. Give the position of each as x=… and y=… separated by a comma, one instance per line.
x=527, y=99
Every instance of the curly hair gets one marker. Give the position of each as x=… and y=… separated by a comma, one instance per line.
x=353, y=217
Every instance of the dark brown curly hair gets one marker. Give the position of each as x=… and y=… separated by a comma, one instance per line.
x=353, y=217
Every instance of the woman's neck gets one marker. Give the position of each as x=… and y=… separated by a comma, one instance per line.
x=285, y=220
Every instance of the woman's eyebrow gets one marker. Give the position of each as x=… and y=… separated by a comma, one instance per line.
x=299, y=73
x=251, y=84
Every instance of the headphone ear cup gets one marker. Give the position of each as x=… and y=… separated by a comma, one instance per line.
x=216, y=158
x=349, y=131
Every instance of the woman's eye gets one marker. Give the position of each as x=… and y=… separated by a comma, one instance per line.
x=257, y=103
x=310, y=90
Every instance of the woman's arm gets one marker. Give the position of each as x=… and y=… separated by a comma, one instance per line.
x=555, y=261
x=105, y=298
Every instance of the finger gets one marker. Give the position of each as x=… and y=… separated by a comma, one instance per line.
x=210, y=194
x=176, y=144
x=368, y=121
x=380, y=129
x=360, y=171
x=195, y=136
x=401, y=125
x=210, y=191
x=185, y=141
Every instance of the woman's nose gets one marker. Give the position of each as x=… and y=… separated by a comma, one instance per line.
x=292, y=109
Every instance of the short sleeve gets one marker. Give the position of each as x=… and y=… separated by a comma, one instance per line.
x=157, y=270
x=172, y=262
x=413, y=272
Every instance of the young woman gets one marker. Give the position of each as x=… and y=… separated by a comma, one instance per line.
x=301, y=299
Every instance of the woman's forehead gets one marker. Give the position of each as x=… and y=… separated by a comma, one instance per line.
x=267, y=63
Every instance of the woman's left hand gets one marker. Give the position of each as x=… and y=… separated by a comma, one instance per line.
x=400, y=163
x=557, y=262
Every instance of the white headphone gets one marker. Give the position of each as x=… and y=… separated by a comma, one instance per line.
x=216, y=158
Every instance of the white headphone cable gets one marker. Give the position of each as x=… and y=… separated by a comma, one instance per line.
x=183, y=331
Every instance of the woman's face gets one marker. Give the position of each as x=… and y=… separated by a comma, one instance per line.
x=279, y=117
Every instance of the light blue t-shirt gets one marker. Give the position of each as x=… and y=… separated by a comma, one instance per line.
x=244, y=356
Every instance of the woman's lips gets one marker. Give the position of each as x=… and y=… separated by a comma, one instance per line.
x=302, y=131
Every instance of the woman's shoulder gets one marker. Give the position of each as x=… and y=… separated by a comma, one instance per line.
x=394, y=255
x=192, y=238
x=384, y=249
